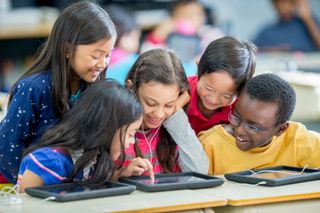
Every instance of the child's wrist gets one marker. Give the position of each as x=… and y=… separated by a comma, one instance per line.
x=118, y=174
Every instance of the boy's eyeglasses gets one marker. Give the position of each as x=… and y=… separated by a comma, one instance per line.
x=235, y=121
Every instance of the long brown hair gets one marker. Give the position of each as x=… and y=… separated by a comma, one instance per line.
x=161, y=66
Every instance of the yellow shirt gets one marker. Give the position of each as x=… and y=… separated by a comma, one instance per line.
x=295, y=147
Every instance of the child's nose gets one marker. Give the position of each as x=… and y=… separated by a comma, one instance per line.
x=240, y=130
x=159, y=113
x=214, y=99
x=102, y=64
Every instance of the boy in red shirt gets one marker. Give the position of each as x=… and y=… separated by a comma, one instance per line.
x=223, y=70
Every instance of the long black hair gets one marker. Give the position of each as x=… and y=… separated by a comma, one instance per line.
x=103, y=109
x=81, y=23
x=161, y=66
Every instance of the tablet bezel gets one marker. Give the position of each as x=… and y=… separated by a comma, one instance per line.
x=117, y=189
x=208, y=181
x=244, y=176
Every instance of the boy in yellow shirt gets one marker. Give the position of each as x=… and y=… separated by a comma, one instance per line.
x=259, y=134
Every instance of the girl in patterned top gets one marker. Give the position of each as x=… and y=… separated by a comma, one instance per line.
x=165, y=138
x=76, y=54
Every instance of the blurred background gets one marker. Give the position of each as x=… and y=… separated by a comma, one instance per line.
x=182, y=25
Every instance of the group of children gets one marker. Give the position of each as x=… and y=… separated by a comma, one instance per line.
x=62, y=108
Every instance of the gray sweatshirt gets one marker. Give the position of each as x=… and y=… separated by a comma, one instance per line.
x=191, y=153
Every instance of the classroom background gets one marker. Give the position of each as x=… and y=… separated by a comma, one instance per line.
x=25, y=24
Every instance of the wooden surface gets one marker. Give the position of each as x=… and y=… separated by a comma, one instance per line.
x=136, y=202
x=239, y=194
x=295, y=68
x=230, y=197
x=22, y=32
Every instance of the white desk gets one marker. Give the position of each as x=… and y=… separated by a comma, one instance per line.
x=250, y=198
x=230, y=197
x=276, y=62
x=135, y=202
x=307, y=87
x=246, y=194
x=306, y=84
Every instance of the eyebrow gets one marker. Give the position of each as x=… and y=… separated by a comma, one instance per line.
x=247, y=121
x=224, y=93
x=99, y=50
x=151, y=99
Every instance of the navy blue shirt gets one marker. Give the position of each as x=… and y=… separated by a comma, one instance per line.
x=293, y=34
x=29, y=114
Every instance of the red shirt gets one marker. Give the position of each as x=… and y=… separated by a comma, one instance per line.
x=3, y=179
x=148, y=144
x=197, y=120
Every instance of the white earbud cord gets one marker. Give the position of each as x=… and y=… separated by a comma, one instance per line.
x=11, y=196
x=277, y=171
x=149, y=143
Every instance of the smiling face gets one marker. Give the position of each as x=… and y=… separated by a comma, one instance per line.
x=90, y=60
x=215, y=90
x=158, y=101
x=129, y=138
x=257, y=123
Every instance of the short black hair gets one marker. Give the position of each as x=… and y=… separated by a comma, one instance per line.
x=229, y=54
x=270, y=88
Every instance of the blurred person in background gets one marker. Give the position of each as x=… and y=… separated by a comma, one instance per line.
x=185, y=32
x=127, y=45
x=296, y=29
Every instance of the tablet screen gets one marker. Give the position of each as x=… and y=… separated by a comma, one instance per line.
x=275, y=174
x=173, y=179
x=79, y=188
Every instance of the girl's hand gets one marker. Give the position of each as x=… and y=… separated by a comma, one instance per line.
x=182, y=100
x=163, y=30
x=303, y=9
x=29, y=179
x=137, y=167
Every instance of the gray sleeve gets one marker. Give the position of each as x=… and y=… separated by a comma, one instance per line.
x=191, y=153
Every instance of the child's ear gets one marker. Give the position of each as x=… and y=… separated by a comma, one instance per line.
x=129, y=84
x=282, y=128
x=68, y=51
x=68, y=54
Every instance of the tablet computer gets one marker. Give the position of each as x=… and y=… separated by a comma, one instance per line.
x=274, y=176
x=77, y=191
x=174, y=181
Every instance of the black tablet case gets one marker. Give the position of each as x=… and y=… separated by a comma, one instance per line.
x=100, y=190
x=207, y=181
x=244, y=176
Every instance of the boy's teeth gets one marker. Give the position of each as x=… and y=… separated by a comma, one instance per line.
x=241, y=139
